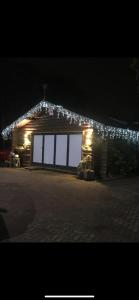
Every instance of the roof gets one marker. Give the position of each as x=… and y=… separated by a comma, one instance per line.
x=102, y=129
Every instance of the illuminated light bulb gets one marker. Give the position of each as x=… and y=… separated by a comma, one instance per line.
x=88, y=136
x=27, y=141
x=100, y=128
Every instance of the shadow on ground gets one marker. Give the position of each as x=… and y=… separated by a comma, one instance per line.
x=4, y=234
x=15, y=224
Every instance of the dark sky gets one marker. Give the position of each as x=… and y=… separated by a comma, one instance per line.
x=90, y=86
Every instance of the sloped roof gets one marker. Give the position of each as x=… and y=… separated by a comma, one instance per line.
x=101, y=128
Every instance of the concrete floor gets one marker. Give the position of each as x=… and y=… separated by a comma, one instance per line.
x=45, y=206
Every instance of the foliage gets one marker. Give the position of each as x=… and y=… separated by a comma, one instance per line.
x=123, y=157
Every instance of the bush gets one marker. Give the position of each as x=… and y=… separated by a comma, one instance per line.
x=123, y=157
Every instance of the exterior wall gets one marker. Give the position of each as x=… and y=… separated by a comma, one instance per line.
x=42, y=124
x=103, y=159
x=52, y=124
x=100, y=156
x=17, y=140
x=101, y=149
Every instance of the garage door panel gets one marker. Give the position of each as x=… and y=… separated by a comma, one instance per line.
x=49, y=149
x=61, y=150
x=66, y=152
x=75, y=144
x=37, y=148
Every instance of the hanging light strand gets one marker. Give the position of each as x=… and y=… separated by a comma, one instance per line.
x=100, y=128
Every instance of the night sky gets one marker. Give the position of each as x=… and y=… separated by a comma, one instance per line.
x=95, y=87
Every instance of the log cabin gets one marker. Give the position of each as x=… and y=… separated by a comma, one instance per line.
x=52, y=136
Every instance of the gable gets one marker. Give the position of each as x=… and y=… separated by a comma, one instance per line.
x=50, y=109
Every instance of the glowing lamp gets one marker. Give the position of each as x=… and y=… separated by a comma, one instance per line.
x=27, y=141
x=88, y=137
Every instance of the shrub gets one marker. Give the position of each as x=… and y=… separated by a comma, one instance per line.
x=123, y=157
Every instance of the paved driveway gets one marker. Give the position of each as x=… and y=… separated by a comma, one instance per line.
x=45, y=206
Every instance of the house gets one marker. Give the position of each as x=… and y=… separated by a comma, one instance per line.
x=49, y=135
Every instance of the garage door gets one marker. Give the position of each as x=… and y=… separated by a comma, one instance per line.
x=61, y=150
x=49, y=149
x=57, y=149
x=75, y=144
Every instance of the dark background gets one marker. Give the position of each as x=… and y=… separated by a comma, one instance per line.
x=104, y=267
x=98, y=87
x=29, y=271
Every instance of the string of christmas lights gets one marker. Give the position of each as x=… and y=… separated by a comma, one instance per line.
x=101, y=129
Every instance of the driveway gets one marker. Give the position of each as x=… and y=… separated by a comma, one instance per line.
x=46, y=206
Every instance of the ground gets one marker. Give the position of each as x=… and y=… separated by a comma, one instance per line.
x=46, y=206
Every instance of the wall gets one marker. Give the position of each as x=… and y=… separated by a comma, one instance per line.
x=108, y=156
x=99, y=156
x=42, y=124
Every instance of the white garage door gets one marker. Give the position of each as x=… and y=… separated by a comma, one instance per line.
x=37, y=149
x=66, y=151
x=61, y=150
x=49, y=149
x=75, y=143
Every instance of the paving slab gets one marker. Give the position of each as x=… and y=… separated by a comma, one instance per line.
x=45, y=206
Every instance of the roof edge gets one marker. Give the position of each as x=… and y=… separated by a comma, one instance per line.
x=101, y=128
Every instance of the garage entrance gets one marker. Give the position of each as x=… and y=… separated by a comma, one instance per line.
x=57, y=150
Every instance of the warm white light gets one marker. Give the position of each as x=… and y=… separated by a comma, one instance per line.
x=27, y=141
x=23, y=122
x=88, y=137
